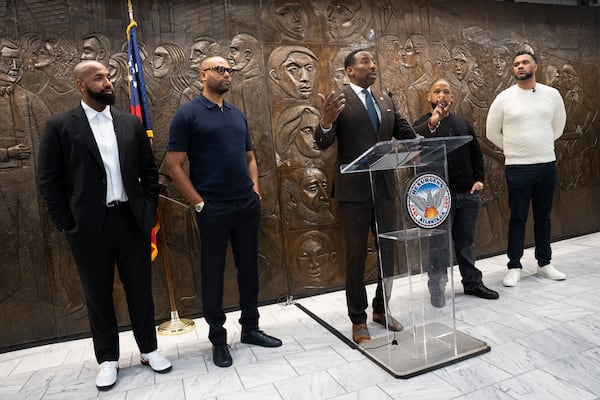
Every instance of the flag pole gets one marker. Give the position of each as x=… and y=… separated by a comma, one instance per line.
x=176, y=325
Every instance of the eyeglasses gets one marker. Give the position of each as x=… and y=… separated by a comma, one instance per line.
x=220, y=70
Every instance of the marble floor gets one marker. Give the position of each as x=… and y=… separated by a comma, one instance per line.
x=544, y=338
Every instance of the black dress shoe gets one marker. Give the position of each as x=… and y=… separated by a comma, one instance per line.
x=221, y=356
x=438, y=294
x=260, y=338
x=483, y=292
x=438, y=299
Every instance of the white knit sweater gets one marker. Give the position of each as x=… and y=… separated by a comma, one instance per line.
x=525, y=123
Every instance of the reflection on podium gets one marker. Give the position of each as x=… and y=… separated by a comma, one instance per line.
x=412, y=204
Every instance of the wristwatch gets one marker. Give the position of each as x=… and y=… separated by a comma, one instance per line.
x=198, y=207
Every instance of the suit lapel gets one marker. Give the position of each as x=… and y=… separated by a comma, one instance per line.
x=82, y=126
x=360, y=110
x=120, y=133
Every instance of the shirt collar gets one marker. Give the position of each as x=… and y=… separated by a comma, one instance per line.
x=358, y=90
x=210, y=104
x=91, y=113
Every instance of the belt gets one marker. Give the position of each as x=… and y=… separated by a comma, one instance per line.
x=115, y=203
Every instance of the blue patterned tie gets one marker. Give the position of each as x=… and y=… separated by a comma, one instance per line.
x=371, y=110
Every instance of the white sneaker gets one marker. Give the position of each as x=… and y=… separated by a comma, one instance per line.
x=107, y=376
x=156, y=361
x=512, y=277
x=548, y=271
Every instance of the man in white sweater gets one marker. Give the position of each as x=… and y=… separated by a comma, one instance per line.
x=524, y=121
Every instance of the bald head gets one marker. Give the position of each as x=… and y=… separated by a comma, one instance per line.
x=215, y=74
x=437, y=82
x=440, y=92
x=93, y=81
x=87, y=67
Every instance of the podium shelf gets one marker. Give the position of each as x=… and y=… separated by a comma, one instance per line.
x=411, y=234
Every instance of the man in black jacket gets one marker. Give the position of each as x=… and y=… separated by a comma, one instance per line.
x=99, y=180
x=466, y=176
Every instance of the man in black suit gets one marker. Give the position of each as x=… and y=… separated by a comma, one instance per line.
x=358, y=120
x=99, y=180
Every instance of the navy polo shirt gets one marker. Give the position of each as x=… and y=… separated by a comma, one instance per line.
x=216, y=141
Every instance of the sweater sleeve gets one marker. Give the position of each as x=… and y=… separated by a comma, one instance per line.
x=560, y=116
x=493, y=129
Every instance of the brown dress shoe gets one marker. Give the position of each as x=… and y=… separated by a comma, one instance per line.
x=360, y=333
x=392, y=324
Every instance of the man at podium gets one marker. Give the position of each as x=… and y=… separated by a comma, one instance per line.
x=358, y=119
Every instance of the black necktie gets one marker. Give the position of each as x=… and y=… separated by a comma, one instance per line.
x=371, y=110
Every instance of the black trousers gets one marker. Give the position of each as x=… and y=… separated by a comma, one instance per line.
x=121, y=243
x=220, y=222
x=464, y=214
x=357, y=219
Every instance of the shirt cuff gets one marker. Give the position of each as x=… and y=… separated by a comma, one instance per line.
x=325, y=130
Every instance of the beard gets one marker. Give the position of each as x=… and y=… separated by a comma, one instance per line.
x=221, y=90
x=524, y=77
x=108, y=99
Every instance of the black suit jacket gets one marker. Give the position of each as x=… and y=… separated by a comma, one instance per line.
x=355, y=134
x=72, y=179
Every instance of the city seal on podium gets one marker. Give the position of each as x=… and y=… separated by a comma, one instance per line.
x=428, y=200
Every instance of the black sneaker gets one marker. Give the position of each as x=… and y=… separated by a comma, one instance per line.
x=221, y=356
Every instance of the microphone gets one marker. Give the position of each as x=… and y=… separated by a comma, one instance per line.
x=391, y=96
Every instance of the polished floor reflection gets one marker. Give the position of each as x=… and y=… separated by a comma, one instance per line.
x=544, y=335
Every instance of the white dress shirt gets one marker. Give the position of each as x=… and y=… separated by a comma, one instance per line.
x=106, y=140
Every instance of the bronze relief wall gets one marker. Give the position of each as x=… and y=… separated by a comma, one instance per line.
x=285, y=52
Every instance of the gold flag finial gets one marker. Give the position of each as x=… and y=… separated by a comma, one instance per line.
x=130, y=9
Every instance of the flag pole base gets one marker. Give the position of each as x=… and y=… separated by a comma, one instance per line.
x=176, y=326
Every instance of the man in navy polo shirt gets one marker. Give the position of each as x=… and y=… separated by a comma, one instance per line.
x=223, y=187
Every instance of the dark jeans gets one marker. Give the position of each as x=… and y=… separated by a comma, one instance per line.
x=219, y=222
x=465, y=211
x=527, y=184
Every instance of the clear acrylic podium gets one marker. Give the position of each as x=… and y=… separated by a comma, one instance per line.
x=415, y=256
